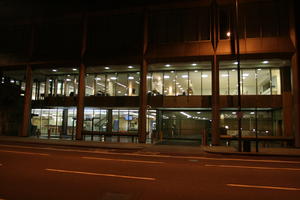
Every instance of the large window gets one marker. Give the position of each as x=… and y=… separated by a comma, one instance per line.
x=185, y=124
x=125, y=121
x=257, y=77
x=55, y=82
x=112, y=84
x=262, y=122
x=53, y=122
x=177, y=83
x=95, y=120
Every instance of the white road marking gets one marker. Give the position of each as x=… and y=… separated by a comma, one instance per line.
x=251, y=167
x=25, y=153
x=264, y=187
x=123, y=160
x=155, y=156
x=101, y=174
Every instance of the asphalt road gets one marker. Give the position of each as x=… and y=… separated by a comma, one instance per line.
x=49, y=172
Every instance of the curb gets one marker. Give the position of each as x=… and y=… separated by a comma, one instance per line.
x=250, y=154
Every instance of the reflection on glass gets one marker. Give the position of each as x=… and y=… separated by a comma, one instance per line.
x=206, y=82
x=276, y=84
x=269, y=123
x=133, y=84
x=248, y=82
x=169, y=83
x=182, y=82
x=157, y=83
x=89, y=85
x=263, y=82
x=233, y=83
x=185, y=124
x=195, y=83
x=224, y=81
x=121, y=84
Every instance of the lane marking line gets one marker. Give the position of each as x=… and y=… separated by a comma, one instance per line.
x=155, y=156
x=101, y=174
x=124, y=160
x=250, y=167
x=25, y=153
x=264, y=187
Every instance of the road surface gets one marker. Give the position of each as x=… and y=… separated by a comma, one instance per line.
x=57, y=173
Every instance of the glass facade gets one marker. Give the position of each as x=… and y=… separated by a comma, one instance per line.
x=185, y=124
x=53, y=122
x=54, y=82
x=265, y=122
x=112, y=84
x=179, y=83
x=261, y=79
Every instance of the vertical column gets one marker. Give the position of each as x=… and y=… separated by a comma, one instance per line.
x=81, y=82
x=294, y=33
x=80, y=102
x=215, y=80
x=27, y=103
x=215, y=102
x=143, y=84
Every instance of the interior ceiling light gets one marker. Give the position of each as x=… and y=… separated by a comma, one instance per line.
x=54, y=70
x=106, y=68
x=194, y=64
x=167, y=65
x=74, y=69
x=235, y=63
x=130, y=67
x=265, y=62
x=130, y=77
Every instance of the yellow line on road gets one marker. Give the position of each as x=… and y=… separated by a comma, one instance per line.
x=251, y=167
x=264, y=187
x=123, y=160
x=100, y=174
x=25, y=153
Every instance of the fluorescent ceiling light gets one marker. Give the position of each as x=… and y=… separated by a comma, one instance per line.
x=106, y=68
x=167, y=65
x=184, y=76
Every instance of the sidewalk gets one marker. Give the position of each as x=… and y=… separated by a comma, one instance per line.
x=154, y=149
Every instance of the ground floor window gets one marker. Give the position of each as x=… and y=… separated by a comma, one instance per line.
x=263, y=122
x=53, y=121
x=185, y=124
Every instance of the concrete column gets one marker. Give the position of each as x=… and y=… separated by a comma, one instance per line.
x=80, y=102
x=215, y=80
x=143, y=84
x=294, y=35
x=215, y=103
x=81, y=82
x=27, y=104
x=65, y=122
x=109, y=121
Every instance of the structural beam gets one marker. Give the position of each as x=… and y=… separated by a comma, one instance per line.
x=215, y=81
x=27, y=103
x=143, y=83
